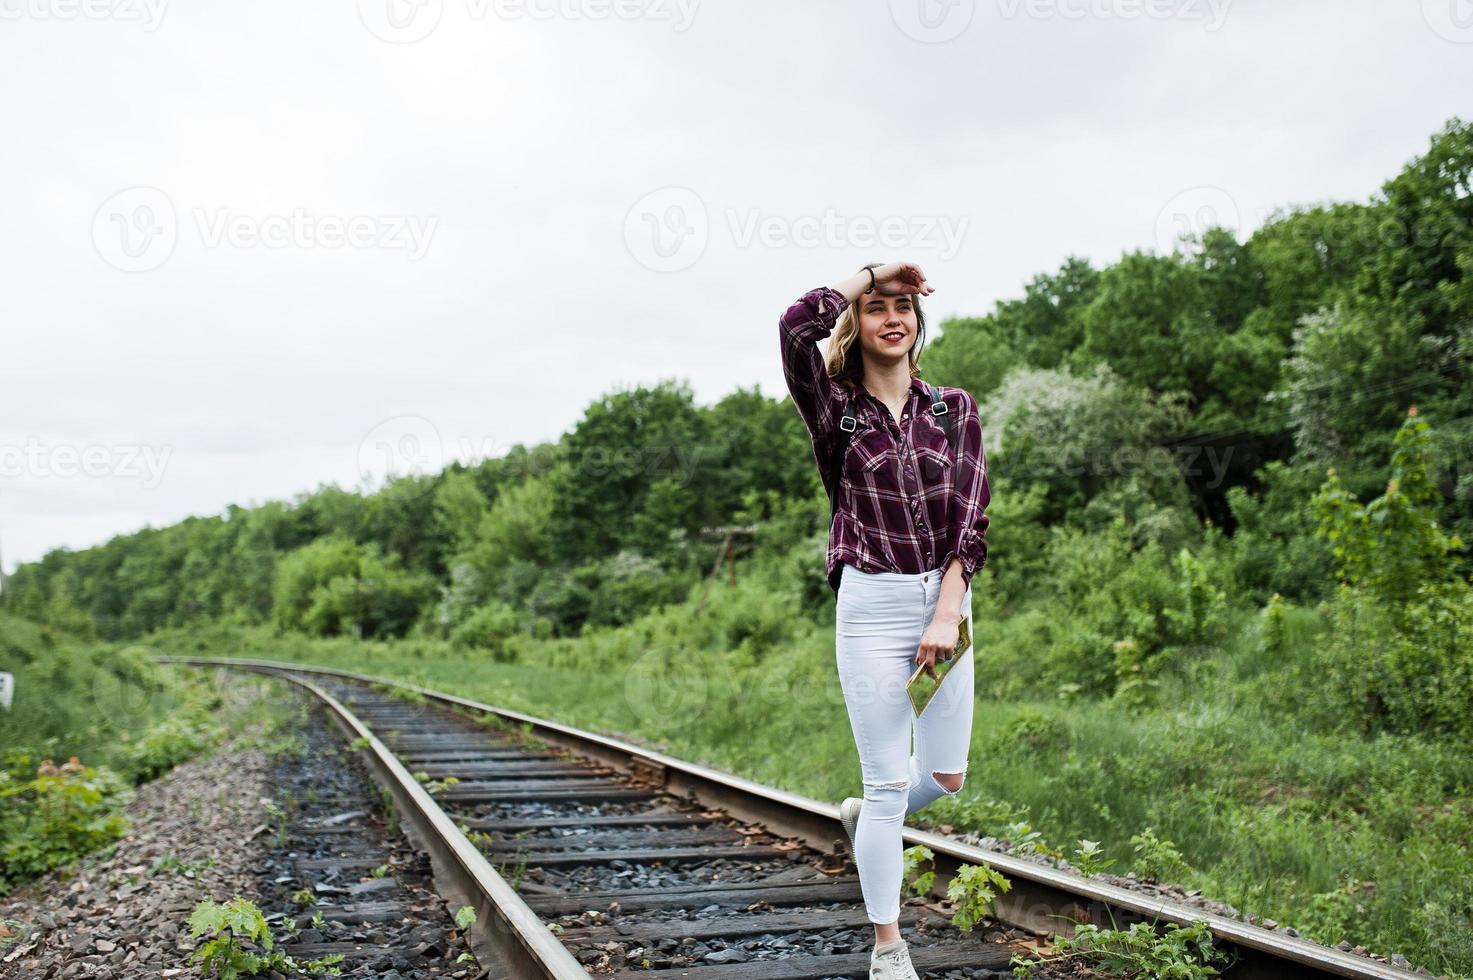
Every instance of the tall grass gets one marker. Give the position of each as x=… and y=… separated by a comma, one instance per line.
x=1346, y=837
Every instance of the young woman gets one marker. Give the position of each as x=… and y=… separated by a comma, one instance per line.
x=908, y=533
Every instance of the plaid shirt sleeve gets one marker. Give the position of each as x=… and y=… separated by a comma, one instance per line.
x=967, y=533
x=818, y=399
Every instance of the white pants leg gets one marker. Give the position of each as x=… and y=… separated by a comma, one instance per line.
x=880, y=618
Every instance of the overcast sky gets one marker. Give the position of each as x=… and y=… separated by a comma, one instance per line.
x=249, y=249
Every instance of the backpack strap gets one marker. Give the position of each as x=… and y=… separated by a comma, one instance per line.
x=939, y=410
x=847, y=425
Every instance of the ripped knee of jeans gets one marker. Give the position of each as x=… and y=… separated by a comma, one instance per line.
x=945, y=781
x=884, y=797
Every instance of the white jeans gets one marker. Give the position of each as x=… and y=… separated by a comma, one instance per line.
x=880, y=618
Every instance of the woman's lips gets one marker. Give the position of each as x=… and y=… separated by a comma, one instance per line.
x=897, y=338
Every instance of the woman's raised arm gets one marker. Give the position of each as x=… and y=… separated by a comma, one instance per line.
x=818, y=399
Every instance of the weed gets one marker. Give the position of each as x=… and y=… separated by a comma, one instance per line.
x=974, y=888
x=1180, y=953
x=391, y=811
x=235, y=926
x=62, y=813
x=918, y=881
x=1158, y=858
x=171, y=862
x=1026, y=840
x=435, y=786
x=1090, y=859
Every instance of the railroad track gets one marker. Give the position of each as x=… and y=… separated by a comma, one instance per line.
x=583, y=854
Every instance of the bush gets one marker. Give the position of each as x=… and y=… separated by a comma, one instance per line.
x=55, y=815
x=1405, y=669
x=335, y=587
x=488, y=628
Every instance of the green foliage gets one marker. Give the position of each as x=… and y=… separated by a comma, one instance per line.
x=1027, y=841
x=1176, y=953
x=488, y=628
x=57, y=815
x=334, y=586
x=1180, y=324
x=162, y=747
x=130, y=718
x=465, y=916
x=1138, y=669
x=919, y=882
x=240, y=943
x=1092, y=442
x=975, y=889
x=1392, y=546
x=1039, y=329
x=1399, y=655
x=1116, y=616
x=1406, y=669
x=1271, y=549
x=1090, y=859
x=1157, y=858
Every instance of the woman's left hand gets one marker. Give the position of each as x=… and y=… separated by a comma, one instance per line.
x=939, y=640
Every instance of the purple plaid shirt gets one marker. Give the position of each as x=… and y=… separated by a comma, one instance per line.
x=905, y=504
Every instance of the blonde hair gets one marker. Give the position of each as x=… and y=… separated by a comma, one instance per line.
x=844, y=340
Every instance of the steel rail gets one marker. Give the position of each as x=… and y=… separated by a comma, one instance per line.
x=507, y=933
x=1043, y=899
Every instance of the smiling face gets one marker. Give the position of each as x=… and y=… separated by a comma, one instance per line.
x=888, y=327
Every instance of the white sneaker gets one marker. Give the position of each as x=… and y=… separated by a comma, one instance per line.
x=892, y=964
x=849, y=817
